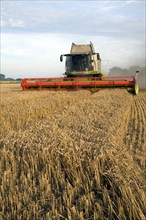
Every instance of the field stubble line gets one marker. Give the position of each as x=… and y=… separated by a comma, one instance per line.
x=135, y=136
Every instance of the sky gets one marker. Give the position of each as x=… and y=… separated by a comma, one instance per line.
x=35, y=33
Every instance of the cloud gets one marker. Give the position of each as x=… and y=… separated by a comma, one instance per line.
x=2, y=23
x=89, y=17
x=17, y=23
x=130, y=1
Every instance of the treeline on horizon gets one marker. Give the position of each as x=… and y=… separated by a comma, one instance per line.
x=3, y=78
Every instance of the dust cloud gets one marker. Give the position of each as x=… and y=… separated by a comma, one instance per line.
x=117, y=71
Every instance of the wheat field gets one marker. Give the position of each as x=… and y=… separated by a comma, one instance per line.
x=72, y=155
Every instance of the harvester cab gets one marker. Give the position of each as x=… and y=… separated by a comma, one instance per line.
x=82, y=61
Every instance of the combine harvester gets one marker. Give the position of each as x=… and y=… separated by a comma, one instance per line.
x=83, y=71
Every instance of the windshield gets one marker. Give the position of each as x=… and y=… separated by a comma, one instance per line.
x=77, y=63
x=80, y=63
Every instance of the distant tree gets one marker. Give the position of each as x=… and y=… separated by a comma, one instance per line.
x=18, y=79
x=2, y=76
x=10, y=79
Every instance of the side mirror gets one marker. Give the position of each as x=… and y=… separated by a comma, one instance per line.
x=137, y=73
x=61, y=58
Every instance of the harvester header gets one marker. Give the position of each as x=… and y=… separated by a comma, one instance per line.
x=82, y=71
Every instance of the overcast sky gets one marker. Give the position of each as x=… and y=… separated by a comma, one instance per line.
x=35, y=33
